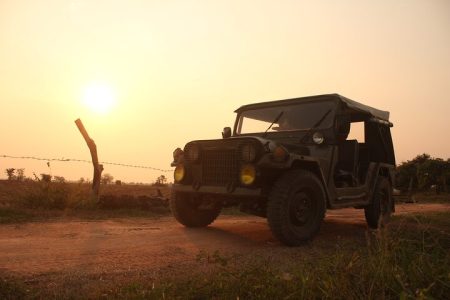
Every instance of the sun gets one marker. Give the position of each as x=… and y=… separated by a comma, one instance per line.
x=99, y=97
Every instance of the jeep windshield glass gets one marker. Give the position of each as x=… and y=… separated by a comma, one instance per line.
x=295, y=117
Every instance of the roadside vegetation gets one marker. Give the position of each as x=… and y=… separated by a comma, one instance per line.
x=25, y=199
x=408, y=260
x=423, y=174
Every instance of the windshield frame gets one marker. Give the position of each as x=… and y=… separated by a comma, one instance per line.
x=238, y=122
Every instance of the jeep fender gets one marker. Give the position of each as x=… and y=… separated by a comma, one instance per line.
x=312, y=165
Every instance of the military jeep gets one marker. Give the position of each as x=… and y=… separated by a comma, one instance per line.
x=289, y=161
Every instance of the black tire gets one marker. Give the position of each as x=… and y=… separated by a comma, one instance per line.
x=189, y=210
x=296, y=207
x=378, y=212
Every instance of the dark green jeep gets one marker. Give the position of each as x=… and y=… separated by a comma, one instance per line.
x=289, y=161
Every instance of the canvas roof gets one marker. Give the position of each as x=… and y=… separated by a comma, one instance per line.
x=380, y=114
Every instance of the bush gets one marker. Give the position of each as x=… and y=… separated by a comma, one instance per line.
x=10, y=173
x=57, y=195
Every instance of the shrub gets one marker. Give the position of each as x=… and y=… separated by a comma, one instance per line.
x=20, y=174
x=10, y=173
x=59, y=179
x=107, y=178
x=46, y=177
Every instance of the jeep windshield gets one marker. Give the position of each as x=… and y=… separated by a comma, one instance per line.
x=294, y=117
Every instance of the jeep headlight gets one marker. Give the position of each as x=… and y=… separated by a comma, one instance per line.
x=318, y=138
x=248, y=153
x=192, y=152
x=179, y=173
x=247, y=174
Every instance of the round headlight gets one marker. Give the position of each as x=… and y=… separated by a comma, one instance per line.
x=247, y=175
x=192, y=152
x=248, y=153
x=318, y=138
x=179, y=173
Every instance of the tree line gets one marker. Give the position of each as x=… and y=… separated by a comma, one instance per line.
x=423, y=173
x=19, y=175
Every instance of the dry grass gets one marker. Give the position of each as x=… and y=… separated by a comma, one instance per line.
x=408, y=260
x=34, y=201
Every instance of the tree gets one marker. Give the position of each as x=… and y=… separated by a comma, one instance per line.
x=46, y=178
x=161, y=180
x=10, y=173
x=59, y=179
x=107, y=178
x=422, y=172
x=20, y=174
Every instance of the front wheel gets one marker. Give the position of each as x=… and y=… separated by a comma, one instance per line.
x=296, y=207
x=194, y=210
x=378, y=212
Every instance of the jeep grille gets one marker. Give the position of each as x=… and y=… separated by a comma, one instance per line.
x=219, y=167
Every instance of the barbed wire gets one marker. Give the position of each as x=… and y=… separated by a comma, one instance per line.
x=85, y=161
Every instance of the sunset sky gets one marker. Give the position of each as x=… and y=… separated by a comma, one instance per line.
x=172, y=71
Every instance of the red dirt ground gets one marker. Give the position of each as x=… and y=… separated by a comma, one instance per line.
x=135, y=244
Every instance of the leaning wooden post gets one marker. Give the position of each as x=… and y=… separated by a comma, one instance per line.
x=98, y=168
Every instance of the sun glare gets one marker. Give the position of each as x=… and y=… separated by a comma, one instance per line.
x=99, y=98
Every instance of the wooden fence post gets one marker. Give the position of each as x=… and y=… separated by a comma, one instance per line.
x=98, y=168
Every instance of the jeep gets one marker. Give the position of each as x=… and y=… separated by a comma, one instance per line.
x=289, y=161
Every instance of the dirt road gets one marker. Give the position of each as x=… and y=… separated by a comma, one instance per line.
x=139, y=244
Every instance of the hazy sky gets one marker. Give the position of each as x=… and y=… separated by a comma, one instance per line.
x=178, y=69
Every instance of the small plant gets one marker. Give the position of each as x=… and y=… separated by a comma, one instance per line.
x=10, y=173
x=20, y=174
x=46, y=178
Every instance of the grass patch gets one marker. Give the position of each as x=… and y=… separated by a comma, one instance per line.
x=36, y=201
x=11, y=288
x=23, y=215
x=435, y=219
x=408, y=260
x=442, y=198
x=12, y=215
x=400, y=262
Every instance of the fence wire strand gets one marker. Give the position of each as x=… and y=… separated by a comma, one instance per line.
x=85, y=161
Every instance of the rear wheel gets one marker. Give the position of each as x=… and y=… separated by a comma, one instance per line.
x=378, y=212
x=194, y=210
x=296, y=207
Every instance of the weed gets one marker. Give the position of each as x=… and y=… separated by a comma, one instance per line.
x=12, y=289
x=409, y=260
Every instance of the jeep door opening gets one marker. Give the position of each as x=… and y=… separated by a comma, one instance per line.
x=289, y=161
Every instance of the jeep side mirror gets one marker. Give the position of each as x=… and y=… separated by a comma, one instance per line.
x=226, y=133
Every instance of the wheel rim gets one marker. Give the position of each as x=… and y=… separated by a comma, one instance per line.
x=301, y=208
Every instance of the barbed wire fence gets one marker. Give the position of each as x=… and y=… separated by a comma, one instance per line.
x=86, y=161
